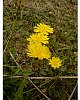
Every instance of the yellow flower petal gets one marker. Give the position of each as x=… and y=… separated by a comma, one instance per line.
x=38, y=38
x=43, y=28
x=55, y=62
x=38, y=51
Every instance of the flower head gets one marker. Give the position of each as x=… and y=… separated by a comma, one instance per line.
x=55, y=62
x=43, y=29
x=38, y=51
x=38, y=38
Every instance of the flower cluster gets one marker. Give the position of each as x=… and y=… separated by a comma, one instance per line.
x=37, y=45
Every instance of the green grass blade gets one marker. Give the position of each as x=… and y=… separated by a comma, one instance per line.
x=20, y=90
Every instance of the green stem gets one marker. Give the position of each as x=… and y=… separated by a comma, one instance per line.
x=21, y=13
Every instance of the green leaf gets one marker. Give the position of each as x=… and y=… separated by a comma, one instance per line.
x=42, y=71
x=13, y=50
x=63, y=69
x=26, y=72
x=20, y=90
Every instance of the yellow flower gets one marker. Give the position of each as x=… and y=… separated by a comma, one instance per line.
x=38, y=51
x=55, y=62
x=38, y=38
x=43, y=29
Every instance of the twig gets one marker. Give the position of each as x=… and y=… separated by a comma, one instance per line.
x=19, y=67
x=72, y=92
x=38, y=86
x=39, y=90
x=40, y=77
x=10, y=66
x=13, y=58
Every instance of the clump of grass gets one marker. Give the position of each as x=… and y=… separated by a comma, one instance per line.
x=18, y=25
